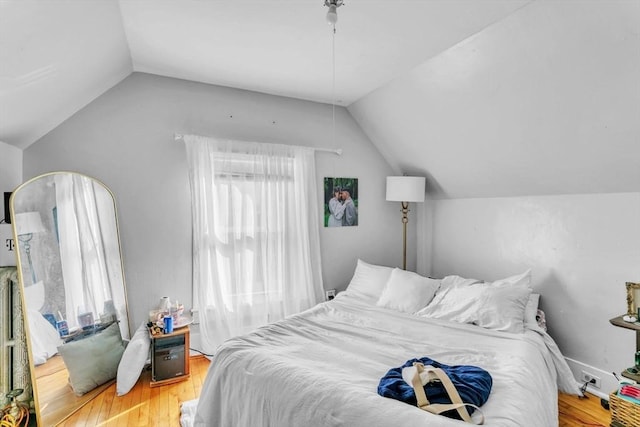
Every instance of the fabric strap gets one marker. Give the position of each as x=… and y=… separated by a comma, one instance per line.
x=437, y=374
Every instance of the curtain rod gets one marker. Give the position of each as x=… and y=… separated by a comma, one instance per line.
x=338, y=151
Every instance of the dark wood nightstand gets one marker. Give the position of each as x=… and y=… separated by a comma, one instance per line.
x=617, y=321
x=170, y=357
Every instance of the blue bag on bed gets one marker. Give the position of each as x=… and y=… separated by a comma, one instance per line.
x=472, y=383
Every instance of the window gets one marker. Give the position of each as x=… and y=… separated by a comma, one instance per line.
x=255, y=233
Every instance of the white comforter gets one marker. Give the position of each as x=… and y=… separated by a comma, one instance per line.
x=322, y=368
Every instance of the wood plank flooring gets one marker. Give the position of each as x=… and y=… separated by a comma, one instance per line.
x=143, y=405
x=57, y=398
x=160, y=406
x=582, y=412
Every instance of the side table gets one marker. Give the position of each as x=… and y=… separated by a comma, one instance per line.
x=170, y=357
x=617, y=321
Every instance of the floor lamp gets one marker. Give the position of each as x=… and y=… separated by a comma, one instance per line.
x=27, y=224
x=405, y=189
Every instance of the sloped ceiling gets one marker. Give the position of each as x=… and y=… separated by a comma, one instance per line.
x=485, y=98
x=546, y=101
x=56, y=56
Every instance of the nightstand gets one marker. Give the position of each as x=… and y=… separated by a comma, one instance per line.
x=617, y=321
x=170, y=357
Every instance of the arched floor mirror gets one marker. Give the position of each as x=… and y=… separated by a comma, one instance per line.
x=74, y=298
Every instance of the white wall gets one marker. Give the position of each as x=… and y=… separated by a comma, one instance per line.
x=545, y=101
x=125, y=138
x=581, y=249
x=10, y=171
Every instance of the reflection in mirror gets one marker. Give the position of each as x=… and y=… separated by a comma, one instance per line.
x=70, y=269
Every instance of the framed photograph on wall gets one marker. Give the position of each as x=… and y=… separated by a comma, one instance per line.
x=340, y=202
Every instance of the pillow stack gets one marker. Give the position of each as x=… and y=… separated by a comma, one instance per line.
x=506, y=305
x=392, y=288
x=498, y=305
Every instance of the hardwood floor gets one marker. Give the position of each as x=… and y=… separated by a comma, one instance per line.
x=143, y=405
x=581, y=412
x=57, y=399
x=160, y=406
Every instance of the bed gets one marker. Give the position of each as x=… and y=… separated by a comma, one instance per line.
x=322, y=367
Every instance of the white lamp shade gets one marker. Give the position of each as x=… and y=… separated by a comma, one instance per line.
x=28, y=223
x=405, y=188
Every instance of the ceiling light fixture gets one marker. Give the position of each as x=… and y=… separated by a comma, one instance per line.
x=332, y=14
x=332, y=18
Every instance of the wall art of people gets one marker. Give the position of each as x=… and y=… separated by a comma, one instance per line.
x=340, y=202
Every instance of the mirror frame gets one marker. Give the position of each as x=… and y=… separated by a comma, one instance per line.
x=87, y=397
x=633, y=298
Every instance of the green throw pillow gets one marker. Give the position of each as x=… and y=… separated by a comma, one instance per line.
x=94, y=360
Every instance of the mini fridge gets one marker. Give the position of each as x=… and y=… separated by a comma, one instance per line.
x=168, y=358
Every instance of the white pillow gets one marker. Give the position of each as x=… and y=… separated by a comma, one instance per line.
x=407, y=291
x=457, y=281
x=457, y=304
x=499, y=307
x=531, y=311
x=523, y=279
x=133, y=360
x=450, y=282
x=502, y=308
x=369, y=280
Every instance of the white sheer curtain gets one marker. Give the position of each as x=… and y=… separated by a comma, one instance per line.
x=256, y=250
x=87, y=274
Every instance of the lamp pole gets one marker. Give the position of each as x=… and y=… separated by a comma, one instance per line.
x=405, y=220
x=405, y=189
x=26, y=238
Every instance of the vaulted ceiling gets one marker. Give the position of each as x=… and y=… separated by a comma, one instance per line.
x=59, y=55
x=485, y=98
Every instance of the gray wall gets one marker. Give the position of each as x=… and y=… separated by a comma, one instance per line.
x=125, y=138
x=581, y=250
x=544, y=102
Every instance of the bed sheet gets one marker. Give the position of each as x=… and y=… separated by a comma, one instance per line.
x=44, y=338
x=322, y=368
